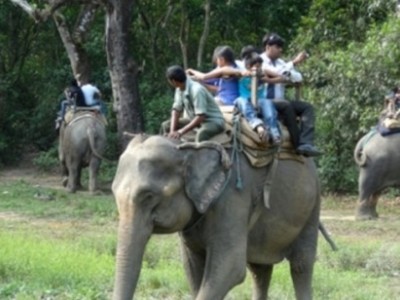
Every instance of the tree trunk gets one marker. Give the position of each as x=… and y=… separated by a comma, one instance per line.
x=123, y=69
x=76, y=53
x=184, y=34
x=206, y=30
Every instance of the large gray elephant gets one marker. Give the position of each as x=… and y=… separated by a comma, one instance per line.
x=81, y=144
x=162, y=186
x=378, y=158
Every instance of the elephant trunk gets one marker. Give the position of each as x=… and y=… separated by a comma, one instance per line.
x=132, y=239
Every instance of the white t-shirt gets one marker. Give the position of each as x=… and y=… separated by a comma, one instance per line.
x=277, y=90
x=91, y=93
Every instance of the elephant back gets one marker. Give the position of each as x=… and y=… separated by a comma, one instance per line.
x=83, y=125
x=72, y=116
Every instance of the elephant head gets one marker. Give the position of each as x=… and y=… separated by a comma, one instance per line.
x=159, y=187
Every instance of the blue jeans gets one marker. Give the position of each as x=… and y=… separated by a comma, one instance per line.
x=269, y=116
x=64, y=105
x=268, y=111
x=249, y=113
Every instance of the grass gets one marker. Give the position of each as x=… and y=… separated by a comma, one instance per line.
x=55, y=245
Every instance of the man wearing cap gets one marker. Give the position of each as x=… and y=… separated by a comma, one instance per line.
x=302, y=141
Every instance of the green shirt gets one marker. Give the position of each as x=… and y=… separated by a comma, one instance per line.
x=196, y=100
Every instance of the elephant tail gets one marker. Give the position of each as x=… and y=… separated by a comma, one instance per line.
x=327, y=237
x=91, y=136
x=360, y=156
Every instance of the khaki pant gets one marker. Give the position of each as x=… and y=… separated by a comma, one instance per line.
x=205, y=132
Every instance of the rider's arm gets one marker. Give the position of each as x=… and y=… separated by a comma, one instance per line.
x=216, y=73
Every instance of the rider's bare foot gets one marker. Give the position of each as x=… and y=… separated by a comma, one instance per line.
x=262, y=133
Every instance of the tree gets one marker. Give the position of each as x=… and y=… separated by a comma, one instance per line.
x=122, y=68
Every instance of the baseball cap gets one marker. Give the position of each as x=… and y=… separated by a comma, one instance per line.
x=273, y=39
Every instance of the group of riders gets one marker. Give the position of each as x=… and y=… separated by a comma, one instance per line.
x=202, y=96
x=80, y=97
x=254, y=85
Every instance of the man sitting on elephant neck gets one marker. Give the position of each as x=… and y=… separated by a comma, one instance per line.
x=201, y=109
x=392, y=104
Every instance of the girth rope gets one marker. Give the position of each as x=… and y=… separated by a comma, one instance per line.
x=237, y=149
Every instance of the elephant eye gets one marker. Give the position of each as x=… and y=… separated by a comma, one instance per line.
x=146, y=197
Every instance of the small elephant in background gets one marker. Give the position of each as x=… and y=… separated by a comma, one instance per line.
x=162, y=186
x=81, y=144
x=378, y=158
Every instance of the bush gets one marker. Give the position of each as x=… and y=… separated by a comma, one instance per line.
x=47, y=161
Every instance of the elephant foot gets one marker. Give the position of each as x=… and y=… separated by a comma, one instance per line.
x=364, y=214
x=71, y=190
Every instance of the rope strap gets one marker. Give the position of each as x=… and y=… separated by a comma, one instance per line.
x=237, y=149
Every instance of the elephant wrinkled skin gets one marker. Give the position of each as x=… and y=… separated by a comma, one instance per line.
x=163, y=187
x=378, y=158
x=81, y=144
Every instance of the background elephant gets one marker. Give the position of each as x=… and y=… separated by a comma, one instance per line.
x=163, y=187
x=81, y=143
x=379, y=159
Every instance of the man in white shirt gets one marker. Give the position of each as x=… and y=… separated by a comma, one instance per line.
x=302, y=141
x=92, y=94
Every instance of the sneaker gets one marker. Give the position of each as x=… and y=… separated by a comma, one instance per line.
x=308, y=150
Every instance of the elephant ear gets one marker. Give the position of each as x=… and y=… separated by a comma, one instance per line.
x=134, y=138
x=206, y=171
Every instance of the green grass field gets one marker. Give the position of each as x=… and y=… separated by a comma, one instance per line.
x=55, y=245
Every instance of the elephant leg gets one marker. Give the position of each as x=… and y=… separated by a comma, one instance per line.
x=64, y=174
x=94, y=167
x=194, y=267
x=78, y=180
x=367, y=208
x=301, y=273
x=225, y=267
x=301, y=260
x=73, y=178
x=261, y=275
x=369, y=190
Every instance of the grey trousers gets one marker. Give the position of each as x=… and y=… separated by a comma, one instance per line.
x=206, y=130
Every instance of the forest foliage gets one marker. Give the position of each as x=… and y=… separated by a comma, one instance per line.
x=352, y=65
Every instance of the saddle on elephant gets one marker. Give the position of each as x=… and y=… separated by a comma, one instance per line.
x=75, y=113
x=259, y=153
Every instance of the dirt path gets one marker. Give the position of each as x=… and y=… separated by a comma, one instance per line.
x=27, y=172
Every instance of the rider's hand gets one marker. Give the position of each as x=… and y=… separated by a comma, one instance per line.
x=175, y=135
x=300, y=57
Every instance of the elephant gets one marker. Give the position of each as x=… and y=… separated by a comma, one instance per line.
x=378, y=158
x=163, y=186
x=82, y=142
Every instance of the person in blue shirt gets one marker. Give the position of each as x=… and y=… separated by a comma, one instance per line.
x=227, y=73
x=253, y=62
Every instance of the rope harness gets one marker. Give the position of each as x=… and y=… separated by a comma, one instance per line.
x=237, y=149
